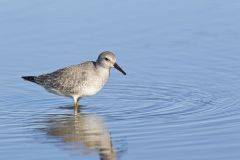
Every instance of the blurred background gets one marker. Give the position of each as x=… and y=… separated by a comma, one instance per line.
x=179, y=100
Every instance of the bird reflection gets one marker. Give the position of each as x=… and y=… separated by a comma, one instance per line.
x=84, y=132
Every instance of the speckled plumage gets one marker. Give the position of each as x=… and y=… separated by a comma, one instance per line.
x=74, y=80
x=79, y=80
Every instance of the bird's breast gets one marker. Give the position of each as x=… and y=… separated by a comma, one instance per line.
x=93, y=85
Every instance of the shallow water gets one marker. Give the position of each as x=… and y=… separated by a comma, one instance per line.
x=179, y=100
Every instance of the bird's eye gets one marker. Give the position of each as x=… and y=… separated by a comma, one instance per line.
x=106, y=59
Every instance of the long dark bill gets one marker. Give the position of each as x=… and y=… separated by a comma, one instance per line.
x=119, y=68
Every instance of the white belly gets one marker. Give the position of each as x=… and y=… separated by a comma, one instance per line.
x=92, y=87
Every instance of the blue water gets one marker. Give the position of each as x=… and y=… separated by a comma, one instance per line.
x=179, y=100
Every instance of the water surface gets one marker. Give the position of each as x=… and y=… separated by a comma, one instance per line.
x=179, y=100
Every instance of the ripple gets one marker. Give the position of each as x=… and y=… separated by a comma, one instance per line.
x=144, y=101
x=165, y=116
x=164, y=111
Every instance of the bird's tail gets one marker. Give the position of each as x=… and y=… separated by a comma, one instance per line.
x=29, y=78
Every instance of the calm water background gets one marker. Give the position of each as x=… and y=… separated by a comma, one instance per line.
x=179, y=101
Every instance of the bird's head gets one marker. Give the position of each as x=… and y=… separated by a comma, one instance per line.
x=108, y=60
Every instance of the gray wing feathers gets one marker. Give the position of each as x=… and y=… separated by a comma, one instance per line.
x=67, y=79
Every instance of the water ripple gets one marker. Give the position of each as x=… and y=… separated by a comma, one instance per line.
x=165, y=116
x=156, y=100
x=176, y=110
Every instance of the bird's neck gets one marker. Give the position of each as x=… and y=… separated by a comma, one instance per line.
x=102, y=69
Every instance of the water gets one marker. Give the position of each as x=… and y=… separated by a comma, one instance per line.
x=180, y=99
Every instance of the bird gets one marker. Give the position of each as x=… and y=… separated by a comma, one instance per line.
x=79, y=80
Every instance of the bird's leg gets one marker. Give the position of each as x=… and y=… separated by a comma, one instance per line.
x=75, y=103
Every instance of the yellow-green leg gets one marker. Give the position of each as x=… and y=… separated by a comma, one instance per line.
x=75, y=102
x=76, y=105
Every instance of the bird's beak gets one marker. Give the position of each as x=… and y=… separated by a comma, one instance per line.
x=119, y=68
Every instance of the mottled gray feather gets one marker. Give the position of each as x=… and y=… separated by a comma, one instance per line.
x=66, y=79
x=79, y=80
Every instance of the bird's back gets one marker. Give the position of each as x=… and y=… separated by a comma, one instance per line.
x=66, y=81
